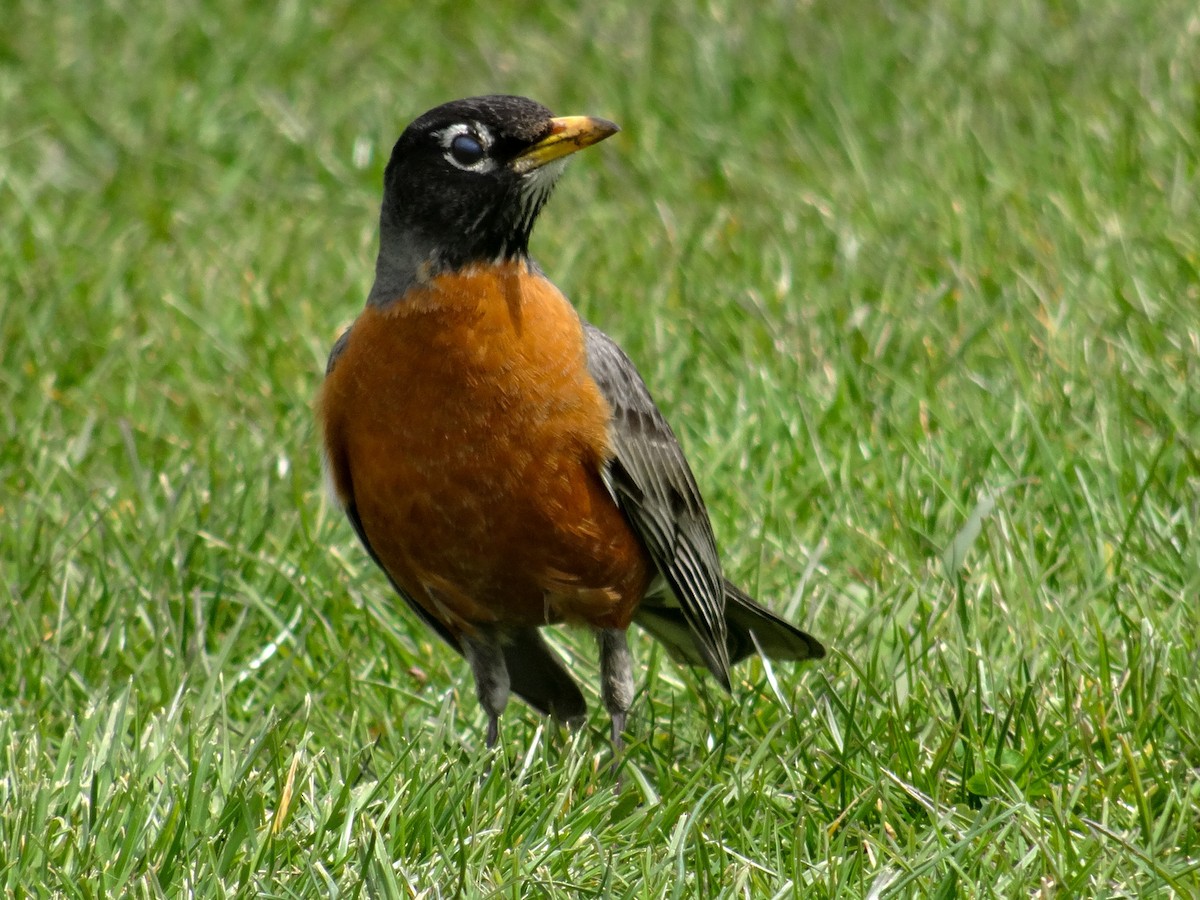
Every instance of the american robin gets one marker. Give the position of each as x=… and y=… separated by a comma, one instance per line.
x=500, y=458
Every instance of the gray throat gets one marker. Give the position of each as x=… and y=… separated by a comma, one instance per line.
x=403, y=261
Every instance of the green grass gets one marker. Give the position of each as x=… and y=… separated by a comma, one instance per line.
x=919, y=287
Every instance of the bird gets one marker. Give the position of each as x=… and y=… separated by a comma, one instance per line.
x=499, y=457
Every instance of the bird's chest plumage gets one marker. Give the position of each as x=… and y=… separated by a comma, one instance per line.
x=463, y=424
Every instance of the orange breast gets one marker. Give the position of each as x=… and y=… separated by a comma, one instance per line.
x=463, y=424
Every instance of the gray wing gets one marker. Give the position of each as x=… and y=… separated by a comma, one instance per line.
x=656, y=490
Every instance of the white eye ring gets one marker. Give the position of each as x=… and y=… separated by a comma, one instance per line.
x=473, y=131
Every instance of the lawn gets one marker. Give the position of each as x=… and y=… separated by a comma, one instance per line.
x=918, y=286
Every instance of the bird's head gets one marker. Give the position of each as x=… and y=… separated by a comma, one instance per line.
x=466, y=182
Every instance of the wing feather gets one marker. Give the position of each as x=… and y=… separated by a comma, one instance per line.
x=658, y=493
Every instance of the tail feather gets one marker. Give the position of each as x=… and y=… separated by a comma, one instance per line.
x=538, y=675
x=744, y=616
x=778, y=638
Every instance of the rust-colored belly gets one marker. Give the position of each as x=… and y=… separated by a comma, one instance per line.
x=463, y=424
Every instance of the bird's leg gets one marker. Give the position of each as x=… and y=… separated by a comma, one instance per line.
x=616, y=680
x=486, y=657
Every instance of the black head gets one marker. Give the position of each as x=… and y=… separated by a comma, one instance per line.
x=466, y=182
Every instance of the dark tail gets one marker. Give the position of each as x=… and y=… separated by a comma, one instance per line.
x=779, y=639
x=537, y=674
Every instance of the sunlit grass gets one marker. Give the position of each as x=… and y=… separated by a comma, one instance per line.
x=918, y=289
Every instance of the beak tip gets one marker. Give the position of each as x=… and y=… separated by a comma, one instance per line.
x=566, y=135
x=589, y=128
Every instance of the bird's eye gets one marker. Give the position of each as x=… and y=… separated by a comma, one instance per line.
x=466, y=150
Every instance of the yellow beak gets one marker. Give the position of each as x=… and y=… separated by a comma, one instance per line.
x=567, y=134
